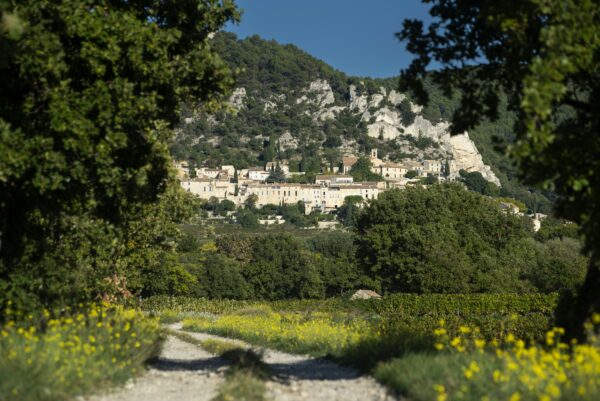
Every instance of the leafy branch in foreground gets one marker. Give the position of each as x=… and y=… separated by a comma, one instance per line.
x=543, y=55
x=89, y=92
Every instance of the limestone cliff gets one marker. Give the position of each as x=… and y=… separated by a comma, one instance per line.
x=379, y=112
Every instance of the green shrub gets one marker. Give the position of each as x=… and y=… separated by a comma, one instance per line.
x=528, y=316
x=59, y=358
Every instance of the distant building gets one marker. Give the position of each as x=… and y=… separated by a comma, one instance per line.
x=210, y=172
x=207, y=188
x=230, y=169
x=258, y=174
x=433, y=167
x=390, y=171
x=326, y=194
x=348, y=162
x=183, y=170
x=324, y=198
x=413, y=165
x=333, y=179
x=537, y=219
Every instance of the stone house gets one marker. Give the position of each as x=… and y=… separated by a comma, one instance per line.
x=347, y=163
x=390, y=171
x=433, y=167
x=328, y=180
x=207, y=188
x=258, y=174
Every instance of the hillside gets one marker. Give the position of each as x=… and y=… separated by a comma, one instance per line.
x=288, y=105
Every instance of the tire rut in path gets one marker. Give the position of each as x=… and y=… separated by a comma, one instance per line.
x=183, y=372
x=300, y=377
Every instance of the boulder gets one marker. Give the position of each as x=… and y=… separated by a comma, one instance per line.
x=365, y=294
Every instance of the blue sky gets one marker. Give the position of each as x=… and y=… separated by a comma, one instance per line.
x=353, y=36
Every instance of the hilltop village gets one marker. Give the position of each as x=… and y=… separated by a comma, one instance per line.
x=325, y=194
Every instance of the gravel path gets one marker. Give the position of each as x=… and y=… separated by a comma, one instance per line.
x=183, y=372
x=299, y=377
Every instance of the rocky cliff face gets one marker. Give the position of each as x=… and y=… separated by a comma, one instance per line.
x=380, y=114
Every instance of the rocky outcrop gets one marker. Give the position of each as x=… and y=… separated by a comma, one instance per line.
x=386, y=124
x=237, y=98
x=358, y=103
x=382, y=118
x=395, y=98
x=466, y=157
x=287, y=141
x=318, y=93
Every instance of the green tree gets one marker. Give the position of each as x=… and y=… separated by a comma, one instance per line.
x=221, y=278
x=294, y=214
x=407, y=116
x=149, y=242
x=277, y=175
x=552, y=227
x=336, y=260
x=235, y=246
x=281, y=269
x=439, y=239
x=475, y=182
x=361, y=171
x=189, y=242
x=446, y=169
x=333, y=157
x=89, y=93
x=559, y=266
x=332, y=141
x=544, y=57
x=250, y=202
x=247, y=218
x=270, y=150
x=430, y=180
x=348, y=211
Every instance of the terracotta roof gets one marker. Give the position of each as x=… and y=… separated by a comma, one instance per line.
x=349, y=160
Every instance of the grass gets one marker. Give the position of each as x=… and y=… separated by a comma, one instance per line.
x=219, y=347
x=525, y=315
x=417, y=376
x=169, y=317
x=449, y=363
x=317, y=334
x=242, y=386
x=57, y=358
